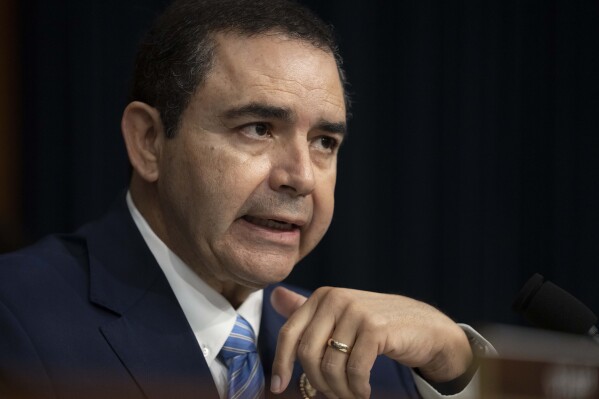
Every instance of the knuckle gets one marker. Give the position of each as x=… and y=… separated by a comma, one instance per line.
x=306, y=352
x=358, y=375
x=302, y=350
x=356, y=308
x=339, y=298
x=287, y=330
x=290, y=333
x=357, y=371
x=321, y=292
x=329, y=368
x=342, y=293
x=375, y=323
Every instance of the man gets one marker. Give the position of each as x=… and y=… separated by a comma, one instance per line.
x=237, y=116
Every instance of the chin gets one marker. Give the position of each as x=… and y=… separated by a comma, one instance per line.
x=267, y=272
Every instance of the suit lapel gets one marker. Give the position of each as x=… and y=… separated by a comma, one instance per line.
x=155, y=343
x=152, y=337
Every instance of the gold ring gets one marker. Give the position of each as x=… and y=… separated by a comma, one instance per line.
x=341, y=347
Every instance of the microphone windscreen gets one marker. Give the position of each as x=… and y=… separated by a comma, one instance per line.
x=548, y=306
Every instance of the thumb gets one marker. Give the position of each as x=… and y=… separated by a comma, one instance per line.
x=285, y=301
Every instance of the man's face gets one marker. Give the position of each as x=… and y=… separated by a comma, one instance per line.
x=246, y=188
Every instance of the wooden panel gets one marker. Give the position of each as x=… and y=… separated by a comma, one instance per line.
x=10, y=208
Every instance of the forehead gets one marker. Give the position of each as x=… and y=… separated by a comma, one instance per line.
x=275, y=69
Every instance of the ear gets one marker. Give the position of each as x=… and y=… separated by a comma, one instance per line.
x=143, y=133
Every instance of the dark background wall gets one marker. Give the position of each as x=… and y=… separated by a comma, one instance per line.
x=472, y=161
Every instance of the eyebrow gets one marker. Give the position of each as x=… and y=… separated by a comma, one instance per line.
x=332, y=127
x=260, y=111
x=285, y=114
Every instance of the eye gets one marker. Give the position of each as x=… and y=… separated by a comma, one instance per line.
x=326, y=143
x=256, y=130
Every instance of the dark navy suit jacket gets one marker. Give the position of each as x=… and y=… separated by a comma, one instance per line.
x=91, y=314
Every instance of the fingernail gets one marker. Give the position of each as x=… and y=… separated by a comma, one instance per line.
x=275, y=384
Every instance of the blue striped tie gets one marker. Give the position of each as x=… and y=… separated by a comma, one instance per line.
x=246, y=377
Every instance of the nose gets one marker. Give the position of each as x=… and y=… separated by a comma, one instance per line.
x=293, y=170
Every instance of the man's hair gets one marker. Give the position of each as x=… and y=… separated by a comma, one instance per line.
x=177, y=53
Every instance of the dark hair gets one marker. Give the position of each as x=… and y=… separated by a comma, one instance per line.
x=177, y=53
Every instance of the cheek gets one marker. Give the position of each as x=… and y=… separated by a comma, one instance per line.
x=324, y=204
x=222, y=180
x=324, y=211
x=190, y=178
x=236, y=177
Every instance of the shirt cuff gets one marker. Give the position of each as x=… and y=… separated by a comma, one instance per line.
x=480, y=347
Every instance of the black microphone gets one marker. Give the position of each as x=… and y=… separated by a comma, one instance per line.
x=548, y=306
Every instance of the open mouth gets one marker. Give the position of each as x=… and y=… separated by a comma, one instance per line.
x=270, y=223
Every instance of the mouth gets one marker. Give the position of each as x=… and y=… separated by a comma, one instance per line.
x=271, y=223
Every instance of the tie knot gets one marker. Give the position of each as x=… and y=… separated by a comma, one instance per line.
x=241, y=341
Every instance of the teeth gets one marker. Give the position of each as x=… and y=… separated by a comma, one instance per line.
x=273, y=224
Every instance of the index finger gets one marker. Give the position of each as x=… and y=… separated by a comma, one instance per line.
x=287, y=343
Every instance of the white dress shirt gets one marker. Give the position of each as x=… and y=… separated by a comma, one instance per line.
x=211, y=316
